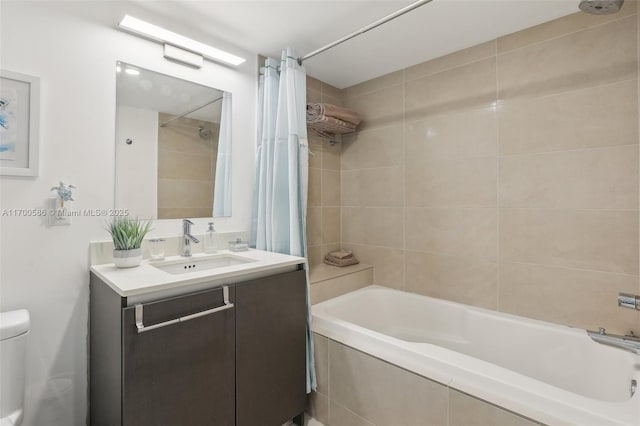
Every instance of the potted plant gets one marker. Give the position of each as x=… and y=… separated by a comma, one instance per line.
x=127, y=234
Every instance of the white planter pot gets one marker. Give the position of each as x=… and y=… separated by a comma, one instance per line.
x=127, y=258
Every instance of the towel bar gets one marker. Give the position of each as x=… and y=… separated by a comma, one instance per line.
x=139, y=310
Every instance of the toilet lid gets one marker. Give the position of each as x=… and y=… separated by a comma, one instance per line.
x=14, y=323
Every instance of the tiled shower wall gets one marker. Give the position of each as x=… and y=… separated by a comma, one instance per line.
x=186, y=168
x=503, y=176
x=323, y=213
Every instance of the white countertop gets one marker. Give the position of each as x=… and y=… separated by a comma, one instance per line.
x=147, y=279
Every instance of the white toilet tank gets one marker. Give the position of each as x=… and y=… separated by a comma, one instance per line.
x=14, y=327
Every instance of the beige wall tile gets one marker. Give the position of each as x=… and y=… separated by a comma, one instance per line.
x=603, y=178
x=330, y=188
x=443, y=136
x=314, y=83
x=468, y=280
x=184, y=193
x=373, y=148
x=373, y=85
x=315, y=150
x=592, y=117
x=378, y=226
x=461, y=232
x=405, y=398
x=380, y=187
x=314, y=225
x=315, y=139
x=598, y=55
x=327, y=99
x=183, y=212
x=388, y=263
x=318, y=407
x=328, y=289
x=378, y=109
x=465, y=87
x=453, y=60
x=182, y=136
x=321, y=358
x=559, y=27
x=465, y=410
x=178, y=165
x=602, y=240
x=330, y=225
x=331, y=156
x=314, y=255
x=332, y=91
x=313, y=96
x=468, y=182
x=340, y=416
x=542, y=292
x=315, y=187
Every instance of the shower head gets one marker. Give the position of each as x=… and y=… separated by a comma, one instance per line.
x=204, y=132
x=600, y=7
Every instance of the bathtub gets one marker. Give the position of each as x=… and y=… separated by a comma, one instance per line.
x=549, y=373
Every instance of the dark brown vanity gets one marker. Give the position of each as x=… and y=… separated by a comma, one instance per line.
x=227, y=355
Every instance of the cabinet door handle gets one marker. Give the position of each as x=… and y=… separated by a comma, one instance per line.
x=140, y=314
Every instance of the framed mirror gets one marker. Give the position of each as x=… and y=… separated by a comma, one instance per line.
x=173, y=146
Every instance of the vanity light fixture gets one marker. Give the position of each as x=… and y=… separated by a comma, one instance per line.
x=169, y=38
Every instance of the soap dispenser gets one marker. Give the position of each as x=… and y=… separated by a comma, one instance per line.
x=210, y=240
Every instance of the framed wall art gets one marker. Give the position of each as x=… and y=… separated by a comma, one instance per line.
x=19, y=123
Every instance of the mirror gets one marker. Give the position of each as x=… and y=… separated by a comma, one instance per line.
x=173, y=146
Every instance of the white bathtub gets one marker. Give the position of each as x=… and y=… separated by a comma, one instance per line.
x=549, y=373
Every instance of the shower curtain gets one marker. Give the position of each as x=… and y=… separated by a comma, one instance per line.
x=222, y=190
x=282, y=168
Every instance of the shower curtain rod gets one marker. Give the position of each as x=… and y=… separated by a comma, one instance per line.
x=189, y=112
x=363, y=30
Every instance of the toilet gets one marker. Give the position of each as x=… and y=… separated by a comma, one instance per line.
x=14, y=327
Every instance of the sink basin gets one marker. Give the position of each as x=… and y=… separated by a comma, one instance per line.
x=194, y=264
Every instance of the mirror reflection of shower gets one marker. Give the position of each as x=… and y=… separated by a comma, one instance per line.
x=204, y=131
x=170, y=171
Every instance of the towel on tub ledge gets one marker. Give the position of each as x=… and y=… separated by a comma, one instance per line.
x=341, y=258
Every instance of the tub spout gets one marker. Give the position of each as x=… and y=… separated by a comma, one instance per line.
x=630, y=343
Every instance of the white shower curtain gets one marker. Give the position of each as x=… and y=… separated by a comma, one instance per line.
x=222, y=190
x=282, y=169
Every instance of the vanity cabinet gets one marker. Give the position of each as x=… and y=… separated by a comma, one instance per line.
x=237, y=357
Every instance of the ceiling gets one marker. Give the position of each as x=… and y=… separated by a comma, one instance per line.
x=433, y=30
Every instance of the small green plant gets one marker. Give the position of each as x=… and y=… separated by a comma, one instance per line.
x=127, y=233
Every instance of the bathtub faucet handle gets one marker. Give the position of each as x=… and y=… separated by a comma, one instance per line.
x=631, y=301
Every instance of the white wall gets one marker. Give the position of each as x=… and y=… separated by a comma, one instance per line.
x=73, y=48
x=137, y=177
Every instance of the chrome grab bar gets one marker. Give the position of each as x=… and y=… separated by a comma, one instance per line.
x=629, y=342
x=139, y=311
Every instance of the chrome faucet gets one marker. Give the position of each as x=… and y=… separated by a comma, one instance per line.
x=187, y=237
